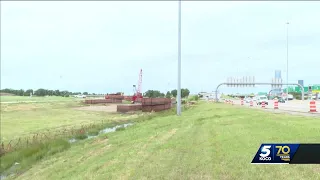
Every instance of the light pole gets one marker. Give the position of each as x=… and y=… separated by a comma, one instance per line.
x=287, y=60
x=179, y=62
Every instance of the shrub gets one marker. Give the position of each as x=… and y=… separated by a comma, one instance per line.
x=81, y=136
x=93, y=132
x=194, y=98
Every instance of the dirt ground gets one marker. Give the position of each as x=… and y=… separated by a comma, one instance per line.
x=106, y=108
x=6, y=94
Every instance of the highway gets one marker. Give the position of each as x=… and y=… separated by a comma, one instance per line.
x=294, y=106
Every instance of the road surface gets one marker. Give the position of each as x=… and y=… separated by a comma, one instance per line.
x=294, y=107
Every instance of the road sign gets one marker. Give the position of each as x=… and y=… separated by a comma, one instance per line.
x=315, y=91
x=245, y=81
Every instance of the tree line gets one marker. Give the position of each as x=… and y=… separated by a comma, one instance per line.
x=43, y=92
x=48, y=92
x=173, y=93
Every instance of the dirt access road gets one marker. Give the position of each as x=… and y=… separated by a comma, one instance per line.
x=105, y=108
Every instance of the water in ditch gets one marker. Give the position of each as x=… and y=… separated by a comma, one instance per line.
x=104, y=131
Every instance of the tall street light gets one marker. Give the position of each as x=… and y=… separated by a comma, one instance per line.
x=287, y=60
x=179, y=63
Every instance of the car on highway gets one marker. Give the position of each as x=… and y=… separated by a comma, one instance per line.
x=248, y=100
x=280, y=99
x=290, y=97
x=261, y=99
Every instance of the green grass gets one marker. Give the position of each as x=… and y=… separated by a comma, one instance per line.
x=20, y=120
x=94, y=131
x=81, y=136
x=120, y=128
x=35, y=98
x=193, y=98
x=210, y=141
x=30, y=155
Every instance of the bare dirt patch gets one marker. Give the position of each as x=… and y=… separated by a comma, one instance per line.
x=6, y=94
x=20, y=107
x=168, y=135
x=104, y=108
x=95, y=151
x=316, y=169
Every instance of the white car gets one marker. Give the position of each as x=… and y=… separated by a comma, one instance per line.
x=248, y=100
x=261, y=99
x=80, y=96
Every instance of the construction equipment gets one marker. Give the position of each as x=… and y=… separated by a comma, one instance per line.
x=137, y=92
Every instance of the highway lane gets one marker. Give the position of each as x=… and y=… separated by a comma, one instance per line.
x=294, y=106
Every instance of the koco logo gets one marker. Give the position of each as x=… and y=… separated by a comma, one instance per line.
x=265, y=152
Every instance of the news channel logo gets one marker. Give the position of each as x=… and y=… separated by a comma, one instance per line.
x=275, y=153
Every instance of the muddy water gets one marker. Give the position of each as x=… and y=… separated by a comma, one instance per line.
x=104, y=131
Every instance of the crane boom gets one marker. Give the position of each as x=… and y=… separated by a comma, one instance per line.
x=138, y=93
x=139, y=83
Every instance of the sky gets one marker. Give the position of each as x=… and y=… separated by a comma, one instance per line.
x=100, y=46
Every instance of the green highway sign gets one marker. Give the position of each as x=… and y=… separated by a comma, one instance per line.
x=306, y=89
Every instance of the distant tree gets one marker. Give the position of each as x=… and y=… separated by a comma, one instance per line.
x=185, y=93
x=168, y=95
x=174, y=93
x=153, y=94
x=20, y=92
x=65, y=93
x=57, y=93
x=50, y=92
x=27, y=92
x=40, y=92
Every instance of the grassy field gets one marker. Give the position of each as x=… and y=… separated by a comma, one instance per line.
x=210, y=141
x=35, y=98
x=19, y=120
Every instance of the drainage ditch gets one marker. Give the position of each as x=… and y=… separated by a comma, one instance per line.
x=72, y=140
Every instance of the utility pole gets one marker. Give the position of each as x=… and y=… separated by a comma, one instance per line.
x=179, y=62
x=287, y=60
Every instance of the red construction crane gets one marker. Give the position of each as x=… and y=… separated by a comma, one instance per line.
x=137, y=93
